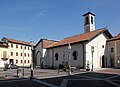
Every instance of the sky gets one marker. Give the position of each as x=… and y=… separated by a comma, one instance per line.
x=55, y=19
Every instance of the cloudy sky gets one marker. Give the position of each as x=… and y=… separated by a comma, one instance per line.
x=55, y=19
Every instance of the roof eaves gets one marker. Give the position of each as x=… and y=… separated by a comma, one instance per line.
x=66, y=44
x=17, y=41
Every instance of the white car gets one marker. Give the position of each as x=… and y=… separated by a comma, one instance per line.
x=13, y=66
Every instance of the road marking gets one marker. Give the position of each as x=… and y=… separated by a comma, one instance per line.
x=64, y=83
x=48, y=84
x=13, y=80
x=87, y=77
x=112, y=77
x=56, y=75
x=113, y=83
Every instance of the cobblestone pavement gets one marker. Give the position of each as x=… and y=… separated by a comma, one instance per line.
x=106, y=77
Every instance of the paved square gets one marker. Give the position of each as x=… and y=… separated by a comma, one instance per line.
x=97, y=75
x=21, y=83
x=51, y=78
x=88, y=83
x=58, y=80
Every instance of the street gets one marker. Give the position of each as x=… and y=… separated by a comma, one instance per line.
x=107, y=77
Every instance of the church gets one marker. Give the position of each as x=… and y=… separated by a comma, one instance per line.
x=89, y=48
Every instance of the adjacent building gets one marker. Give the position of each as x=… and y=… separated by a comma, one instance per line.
x=19, y=52
x=114, y=51
x=3, y=54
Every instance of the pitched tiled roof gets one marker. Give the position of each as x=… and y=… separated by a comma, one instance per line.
x=17, y=41
x=78, y=38
x=48, y=42
x=45, y=42
x=115, y=38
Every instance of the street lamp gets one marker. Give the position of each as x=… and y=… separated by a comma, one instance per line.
x=23, y=60
x=92, y=50
x=69, y=50
x=32, y=49
x=118, y=63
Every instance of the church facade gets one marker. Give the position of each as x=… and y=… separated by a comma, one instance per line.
x=89, y=48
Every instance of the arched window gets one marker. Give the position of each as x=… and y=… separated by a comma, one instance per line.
x=56, y=56
x=75, y=54
x=86, y=20
x=91, y=19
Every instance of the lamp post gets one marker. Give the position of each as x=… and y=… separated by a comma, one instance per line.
x=23, y=61
x=118, y=63
x=92, y=50
x=69, y=50
x=32, y=49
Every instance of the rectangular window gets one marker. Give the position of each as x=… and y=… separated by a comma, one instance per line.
x=16, y=61
x=21, y=47
x=16, y=53
x=28, y=54
x=28, y=48
x=16, y=46
x=21, y=54
x=24, y=61
x=28, y=61
x=11, y=45
x=112, y=50
x=24, y=54
x=11, y=53
x=21, y=61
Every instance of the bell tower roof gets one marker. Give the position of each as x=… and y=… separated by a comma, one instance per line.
x=89, y=13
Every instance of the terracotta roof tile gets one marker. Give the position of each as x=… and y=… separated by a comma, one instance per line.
x=115, y=38
x=48, y=42
x=17, y=41
x=77, y=38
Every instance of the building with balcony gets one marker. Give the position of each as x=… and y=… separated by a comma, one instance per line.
x=19, y=52
x=3, y=54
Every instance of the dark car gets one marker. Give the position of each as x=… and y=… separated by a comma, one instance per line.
x=13, y=66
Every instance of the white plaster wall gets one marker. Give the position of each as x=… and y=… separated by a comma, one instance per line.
x=19, y=57
x=98, y=50
x=63, y=55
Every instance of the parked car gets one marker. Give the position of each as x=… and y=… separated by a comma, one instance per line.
x=13, y=66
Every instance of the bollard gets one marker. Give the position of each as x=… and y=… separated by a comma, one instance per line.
x=18, y=72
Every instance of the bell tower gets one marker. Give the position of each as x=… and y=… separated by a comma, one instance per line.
x=89, y=23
